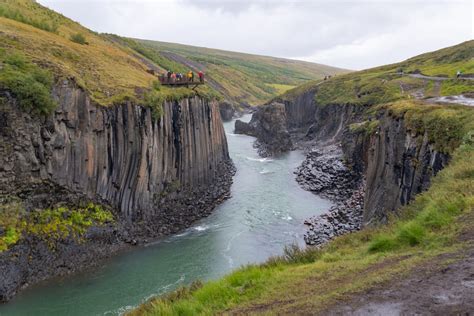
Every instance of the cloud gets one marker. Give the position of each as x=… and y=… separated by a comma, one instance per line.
x=352, y=34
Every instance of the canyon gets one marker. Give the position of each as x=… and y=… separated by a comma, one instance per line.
x=157, y=175
x=368, y=175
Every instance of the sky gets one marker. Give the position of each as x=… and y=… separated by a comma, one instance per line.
x=351, y=34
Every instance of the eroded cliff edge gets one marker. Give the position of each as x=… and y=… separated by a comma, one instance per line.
x=367, y=161
x=156, y=175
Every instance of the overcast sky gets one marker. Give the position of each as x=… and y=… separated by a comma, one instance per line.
x=350, y=34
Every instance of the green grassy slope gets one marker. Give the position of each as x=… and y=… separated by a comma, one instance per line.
x=309, y=281
x=107, y=71
x=385, y=84
x=243, y=77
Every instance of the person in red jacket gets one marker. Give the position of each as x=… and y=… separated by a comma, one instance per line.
x=201, y=76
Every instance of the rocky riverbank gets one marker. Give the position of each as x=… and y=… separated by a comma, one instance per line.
x=342, y=218
x=324, y=173
x=33, y=259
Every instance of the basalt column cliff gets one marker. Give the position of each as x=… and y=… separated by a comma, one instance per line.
x=158, y=174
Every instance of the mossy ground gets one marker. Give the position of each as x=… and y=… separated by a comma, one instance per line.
x=49, y=225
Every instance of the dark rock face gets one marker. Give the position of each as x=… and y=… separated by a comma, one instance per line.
x=301, y=111
x=118, y=155
x=399, y=166
x=268, y=125
x=159, y=176
x=324, y=172
x=371, y=177
x=227, y=111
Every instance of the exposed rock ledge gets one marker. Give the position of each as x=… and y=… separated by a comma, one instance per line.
x=269, y=126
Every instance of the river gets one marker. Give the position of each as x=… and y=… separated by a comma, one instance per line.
x=265, y=213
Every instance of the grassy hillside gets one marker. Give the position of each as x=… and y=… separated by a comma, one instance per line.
x=428, y=231
x=113, y=69
x=243, y=77
x=108, y=71
x=386, y=83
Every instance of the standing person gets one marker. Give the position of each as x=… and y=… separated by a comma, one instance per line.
x=168, y=75
x=458, y=74
x=173, y=77
x=190, y=76
x=201, y=76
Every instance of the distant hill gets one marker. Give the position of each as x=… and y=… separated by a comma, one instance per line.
x=112, y=68
x=243, y=77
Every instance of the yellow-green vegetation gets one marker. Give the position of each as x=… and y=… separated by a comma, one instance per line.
x=50, y=225
x=443, y=62
x=280, y=88
x=313, y=279
x=388, y=83
x=28, y=83
x=158, y=94
x=445, y=125
x=79, y=39
x=107, y=70
x=10, y=214
x=243, y=77
x=368, y=127
x=9, y=9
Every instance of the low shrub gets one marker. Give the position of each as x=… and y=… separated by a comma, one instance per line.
x=79, y=39
x=52, y=225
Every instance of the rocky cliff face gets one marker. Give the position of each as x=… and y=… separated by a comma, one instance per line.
x=395, y=163
x=118, y=155
x=300, y=111
x=269, y=126
x=399, y=165
x=159, y=175
x=227, y=111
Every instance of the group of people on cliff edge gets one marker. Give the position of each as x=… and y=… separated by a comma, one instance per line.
x=172, y=77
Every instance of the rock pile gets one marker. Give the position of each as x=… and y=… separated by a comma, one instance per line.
x=323, y=172
x=343, y=218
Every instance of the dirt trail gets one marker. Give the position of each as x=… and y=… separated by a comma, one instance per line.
x=443, y=286
x=420, y=76
x=435, y=289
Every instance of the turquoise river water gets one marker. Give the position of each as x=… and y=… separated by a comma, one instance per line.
x=265, y=213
